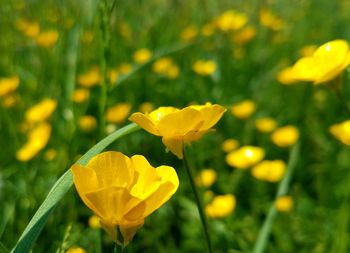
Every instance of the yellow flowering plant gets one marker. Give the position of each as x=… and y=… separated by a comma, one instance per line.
x=179, y=126
x=123, y=191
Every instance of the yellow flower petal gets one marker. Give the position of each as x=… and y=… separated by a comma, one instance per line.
x=174, y=145
x=144, y=121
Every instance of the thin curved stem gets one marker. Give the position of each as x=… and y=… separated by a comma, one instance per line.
x=198, y=201
x=283, y=188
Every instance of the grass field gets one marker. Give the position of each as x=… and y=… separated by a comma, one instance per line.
x=271, y=172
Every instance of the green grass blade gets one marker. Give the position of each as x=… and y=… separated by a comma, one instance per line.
x=3, y=249
x=57, y=192
x=283, y=188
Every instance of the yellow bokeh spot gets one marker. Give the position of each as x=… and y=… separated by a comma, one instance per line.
x=87, y=123
x=229, y=145
x=142, y=55
x=244, y=109
x=221, y=206
x=285, y=136
x=284, y=204
x=118, y=113
x=245, y=157
x=270, y=171
x=206, y=177
x=265, y=125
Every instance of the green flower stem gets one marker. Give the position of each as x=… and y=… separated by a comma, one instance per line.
x=283, y=188
x=198, y=202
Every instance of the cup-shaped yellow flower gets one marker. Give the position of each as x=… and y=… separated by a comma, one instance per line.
x=179, y=126
x=326, y=63
x=123, y=191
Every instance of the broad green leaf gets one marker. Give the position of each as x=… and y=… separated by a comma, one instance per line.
x=60, y=188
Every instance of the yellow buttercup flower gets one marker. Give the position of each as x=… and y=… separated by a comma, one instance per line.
x=341, y=132
x=285, y=136
x=87, y=123
x=206, y=177
x=271, y=171
x=76, y=250
x=124, y=68
x=81, y=95
x=165, y=66
x=189, y=33
x=8, y=85
x=229, y=145
x=10, y=100
x=146, y=107
x=231, y=20
x=179, y=126
x=204, y=68
x=245, y=157
x=244, y=109
x=47, y=38
x=244, y=36
x=118, y=113
x=142, y=55
x=37, y=140
x=326, y=63
x=265, y=125
x=221, y=206
x=284, y=203
x=123, y=191
x=113, y=75
x=41, y=111
x=208, y=29
x=90, y=78
x=286, y=76
x=94, y=222
x=270, y=20
x=308, y=50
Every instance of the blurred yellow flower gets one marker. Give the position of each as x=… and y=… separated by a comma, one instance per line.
x=286, y=76
x=270, y=20
x=284, y=203
x=118, y=113
x=87, y=123
x=50, y=154
x=123, y=191
x=204, y=68
x=37, y=140
x=29, y=28
x=244, y=109
x=90, y=78
x=244, y=36
x=87, y=37
x=271, y=171
x=47, y=38
x=308, y=50
x=142, y=55
x=179, y=126
x=221, y=206
x=245, y=157
x=326, y=63
x=165, y=66
x=208, y=29
x=94, y=222
x=285, y=136
x=189, y=33
x=229, y=145
x=206, y=177
x=113, y=75
x=124, y=68
x=265, y=125
x=341, y=132
x=81, y=95
x=8, y=85
x=10, y=100
x=75, y=250
x=41, y=111
x=231, y=20
x=146, y=107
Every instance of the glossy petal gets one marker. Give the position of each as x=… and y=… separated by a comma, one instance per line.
x=145, y=122
x=180, y=122
x=112, y=169
x=175, y=146
x=211, y=115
